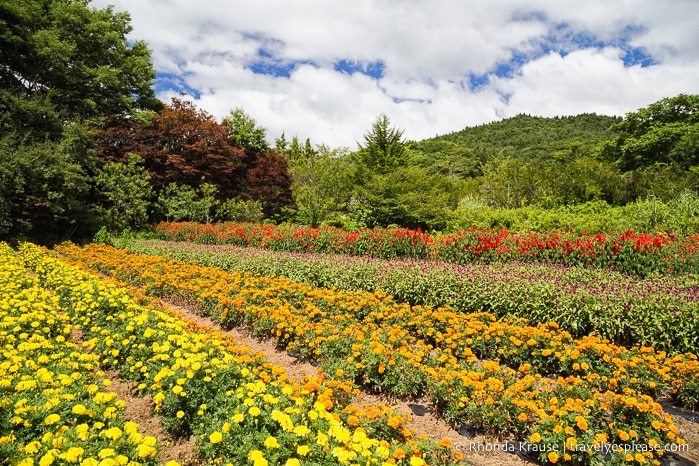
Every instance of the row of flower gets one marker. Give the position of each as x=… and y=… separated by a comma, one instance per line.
x=239, y=408
x=55, y=406
x=640, y=254
x=658, y=312
x=535, y=383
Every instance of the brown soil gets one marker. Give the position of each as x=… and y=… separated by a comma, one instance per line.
x=139, y=409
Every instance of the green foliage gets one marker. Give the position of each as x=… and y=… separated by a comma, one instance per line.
x=383, y=149
x=527, y=138
x=44, y=191
x=103, y=237
x=203, y=209
x=75, y=57
x=245, y=133
x=663, y=132
x=409, y=197
x=176, y=200
x=322, y=181
x=679, y=215
x=64, y=64
x=182, y=202
x=127, y=190
x=240, y=210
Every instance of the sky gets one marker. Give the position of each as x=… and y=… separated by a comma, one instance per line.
x=326, y=69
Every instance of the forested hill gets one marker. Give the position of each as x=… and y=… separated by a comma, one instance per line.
x=526, y=138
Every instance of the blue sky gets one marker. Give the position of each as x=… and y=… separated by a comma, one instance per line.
x=325, y=70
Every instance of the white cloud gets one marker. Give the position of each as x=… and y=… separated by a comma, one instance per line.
x=429, y=50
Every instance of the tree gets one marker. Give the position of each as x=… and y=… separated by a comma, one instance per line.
x=321, y=181
x=245, y=133
x=268, y=180
x=44, y=192
x=240, y=210
x=63, y=64
x=65, y=59
x=176, y=201
x=408, y=197
x=180, y=144
x=664, y=132
x=127, y=191
x=383, y=148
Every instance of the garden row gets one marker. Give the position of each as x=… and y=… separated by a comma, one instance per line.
x=53, y=407
x=240, y=409
x=658, y=312
x=537, y=384
x=629, y=252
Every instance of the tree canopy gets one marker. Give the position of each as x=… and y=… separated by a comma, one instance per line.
x=65, y=60
x=664, y=132
x=383, y=149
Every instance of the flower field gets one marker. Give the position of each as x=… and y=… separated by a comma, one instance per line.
x=658, y=311
x=536, y=383
x=239, y=408
x=629, y=252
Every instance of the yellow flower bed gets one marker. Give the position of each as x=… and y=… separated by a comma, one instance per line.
x=546, y=385
x=240, y=408
x=54, y=410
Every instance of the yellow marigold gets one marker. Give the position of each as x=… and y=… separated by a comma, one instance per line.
x=257, y=457
x=292, y=462
x=145, y=451
x=105, y=453
x=113, y=433
x=302, y=450
x=216, y=437
x=79, y=409
x=553, y=457
x=271, y=442
x=47, y=459
x=73, y=454
x=445, y=442
x=52, y=419
x=536, y=437
x=32, y=447
x=623, y=435
x=254, y=411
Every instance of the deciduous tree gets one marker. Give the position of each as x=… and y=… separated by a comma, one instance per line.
x=665, y=132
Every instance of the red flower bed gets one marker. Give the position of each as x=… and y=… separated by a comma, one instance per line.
x=636, y=253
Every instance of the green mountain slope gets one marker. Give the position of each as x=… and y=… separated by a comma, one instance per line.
x=530, y=139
